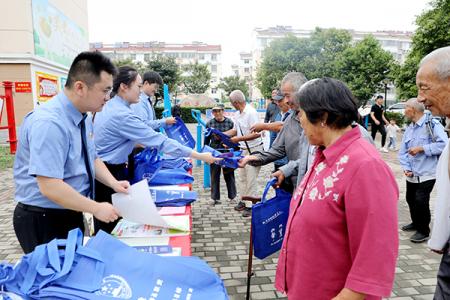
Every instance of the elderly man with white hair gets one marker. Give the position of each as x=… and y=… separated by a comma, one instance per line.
x=245, y=117
x=421, y=146
x=433, y=82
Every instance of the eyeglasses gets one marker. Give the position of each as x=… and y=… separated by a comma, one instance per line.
x=107, y=92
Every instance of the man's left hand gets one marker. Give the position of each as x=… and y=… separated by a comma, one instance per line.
x=121, y=186
x=415, y=150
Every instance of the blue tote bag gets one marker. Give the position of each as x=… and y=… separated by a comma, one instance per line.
x=173, y=197
x=51, y=264
x=180, y=133
x=222, y=136
x=131, y=274
x=149, y=165
x=230, y=159
x=269, y=219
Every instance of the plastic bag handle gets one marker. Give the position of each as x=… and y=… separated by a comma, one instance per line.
x=270, y=183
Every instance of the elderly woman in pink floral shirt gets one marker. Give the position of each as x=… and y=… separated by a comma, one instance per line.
x=341, y=240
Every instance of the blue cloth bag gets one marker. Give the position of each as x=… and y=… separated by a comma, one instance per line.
x=222, y=136
x=173, y=197
x=180, y=133
x=149, y=165
x=131, y=274
x=52, y=264
x=230, y=159
x=269, y=219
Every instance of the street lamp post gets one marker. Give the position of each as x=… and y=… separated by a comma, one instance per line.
x=386, y=83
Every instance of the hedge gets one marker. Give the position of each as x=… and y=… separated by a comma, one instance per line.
x=186, y=115
x=398, y=117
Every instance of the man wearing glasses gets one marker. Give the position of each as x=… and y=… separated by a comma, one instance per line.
x=56, y=164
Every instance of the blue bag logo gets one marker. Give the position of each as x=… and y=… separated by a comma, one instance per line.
x=115, y=286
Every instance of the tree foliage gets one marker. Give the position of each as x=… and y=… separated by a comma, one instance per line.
x=432, y=32
x=167, y=68
x=198, y=79
x=364, y=67
x=280, y=57
x=139, y=66
x=315, y=57
x=327, y=53
x=231, y=83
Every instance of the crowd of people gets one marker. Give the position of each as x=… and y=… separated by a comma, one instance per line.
x=341, y=240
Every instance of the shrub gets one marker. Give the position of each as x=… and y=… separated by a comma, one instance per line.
x=398, y=117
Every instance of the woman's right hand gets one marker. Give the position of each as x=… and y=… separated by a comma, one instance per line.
x=205, y=156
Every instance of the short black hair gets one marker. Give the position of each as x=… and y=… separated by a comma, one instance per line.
x=152, y=77
x=328, y=98
x=87, y=67
x=379, y=97
x=126, y=75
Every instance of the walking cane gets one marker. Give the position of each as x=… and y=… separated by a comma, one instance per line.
x=250, y=248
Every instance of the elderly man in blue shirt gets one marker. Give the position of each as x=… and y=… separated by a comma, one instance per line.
x=421, y=146
x=56, y=163
x=151, y=82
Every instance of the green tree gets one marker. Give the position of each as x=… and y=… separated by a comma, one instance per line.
x=198, y=79
x=432, y=32
x=231, y=83
x=315, y=57
x=363, y=68
x=139, y=66
x=281, y=56
x=328, y=46
x=167, y=68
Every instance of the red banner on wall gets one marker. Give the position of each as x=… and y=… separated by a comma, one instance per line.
x=22, y=87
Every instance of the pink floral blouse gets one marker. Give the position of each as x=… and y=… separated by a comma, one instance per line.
x=342, y=227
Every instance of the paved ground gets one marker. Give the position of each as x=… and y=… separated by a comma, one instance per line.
x=221, y=238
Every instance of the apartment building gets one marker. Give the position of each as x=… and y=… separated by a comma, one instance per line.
x=183, y=54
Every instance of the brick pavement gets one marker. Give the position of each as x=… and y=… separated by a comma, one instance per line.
x=220, y=236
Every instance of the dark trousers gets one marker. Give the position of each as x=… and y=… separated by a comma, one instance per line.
x=103, y=194
x=382, y=130
x=228, y=175
x=443, y=277
x=286, y=184
x=418, y=199
x=36, y=225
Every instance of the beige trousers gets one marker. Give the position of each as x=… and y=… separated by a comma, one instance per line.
x=248, y=176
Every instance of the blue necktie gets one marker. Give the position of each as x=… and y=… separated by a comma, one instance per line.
x=86, y=156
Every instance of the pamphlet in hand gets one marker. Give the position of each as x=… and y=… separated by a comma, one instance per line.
x=137, y=206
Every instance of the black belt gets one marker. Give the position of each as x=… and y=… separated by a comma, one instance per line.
x=38, y=209
x=115, y=167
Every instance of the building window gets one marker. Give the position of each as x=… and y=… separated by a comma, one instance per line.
x=213, y=68
x=146, y=56
x=213, y=57
x=213, y=90
x=246, y=61
x=133, y=56
x=246, y=70
x=201, y=56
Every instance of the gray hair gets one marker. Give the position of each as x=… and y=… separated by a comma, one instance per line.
x=237, y=96
x=296, y=79
x=416, y=105
x=440, y=58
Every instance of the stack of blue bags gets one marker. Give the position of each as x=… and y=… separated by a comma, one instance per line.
x=105, y=269
x=157, y=170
